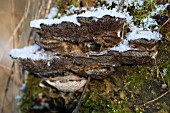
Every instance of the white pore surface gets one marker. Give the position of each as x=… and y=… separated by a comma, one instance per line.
x=66, y=85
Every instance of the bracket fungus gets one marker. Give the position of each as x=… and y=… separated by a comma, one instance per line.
x=87, y=49
x=67, y=83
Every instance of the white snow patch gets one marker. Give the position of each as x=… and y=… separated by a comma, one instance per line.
x=121, y=47
x=102, y=53
x=137, y=3
x=95, y=53
x=110, y=1
x=98, y=13
x=130, y=2
x=22, y=87
x=30, y=52
x=159, y=8
x=164, y=72
x=53, y=12
x=147, y=22
x=18, y=97
x=36, y=23
x=136, y=34
x=73, y=9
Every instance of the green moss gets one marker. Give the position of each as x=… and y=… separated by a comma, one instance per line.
x=136, y=79
x=30, y=92
x=137, y=74
x=140, y=12
x=165, y=71
x=168, y=36
x=96, y=102
x=164, y=61
x=64, y=5
x=105, y=95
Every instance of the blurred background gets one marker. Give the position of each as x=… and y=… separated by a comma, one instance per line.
x=15, y=16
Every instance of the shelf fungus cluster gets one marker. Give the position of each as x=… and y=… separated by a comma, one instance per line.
x=70, y=52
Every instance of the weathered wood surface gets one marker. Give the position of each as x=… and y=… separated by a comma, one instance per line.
x=84, y=49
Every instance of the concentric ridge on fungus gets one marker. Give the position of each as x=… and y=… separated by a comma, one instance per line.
x=91, y=35
x=83, y=50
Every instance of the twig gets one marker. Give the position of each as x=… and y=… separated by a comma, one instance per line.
x=37, y=14
x=127, y=5
x=123, y=31
x=13, y=23
x=6, y=89
x=26, y=15
x=41, y=8
x=5, y=67
x=5, y=12
x=120, y=5
x=5, y=70
x=158, y=71
x=164, y=24
x=48, y=7
x=15, y=32
x=38, y=11
x=10, y=78
x=13, y=38
x=81, y=98
x=151, y=101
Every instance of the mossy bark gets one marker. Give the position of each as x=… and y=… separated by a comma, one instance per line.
x=127, y=90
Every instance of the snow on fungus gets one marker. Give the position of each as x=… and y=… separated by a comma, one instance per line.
x=98, y=13
x=121, y=48
x=138, y=34
x=29, y=52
